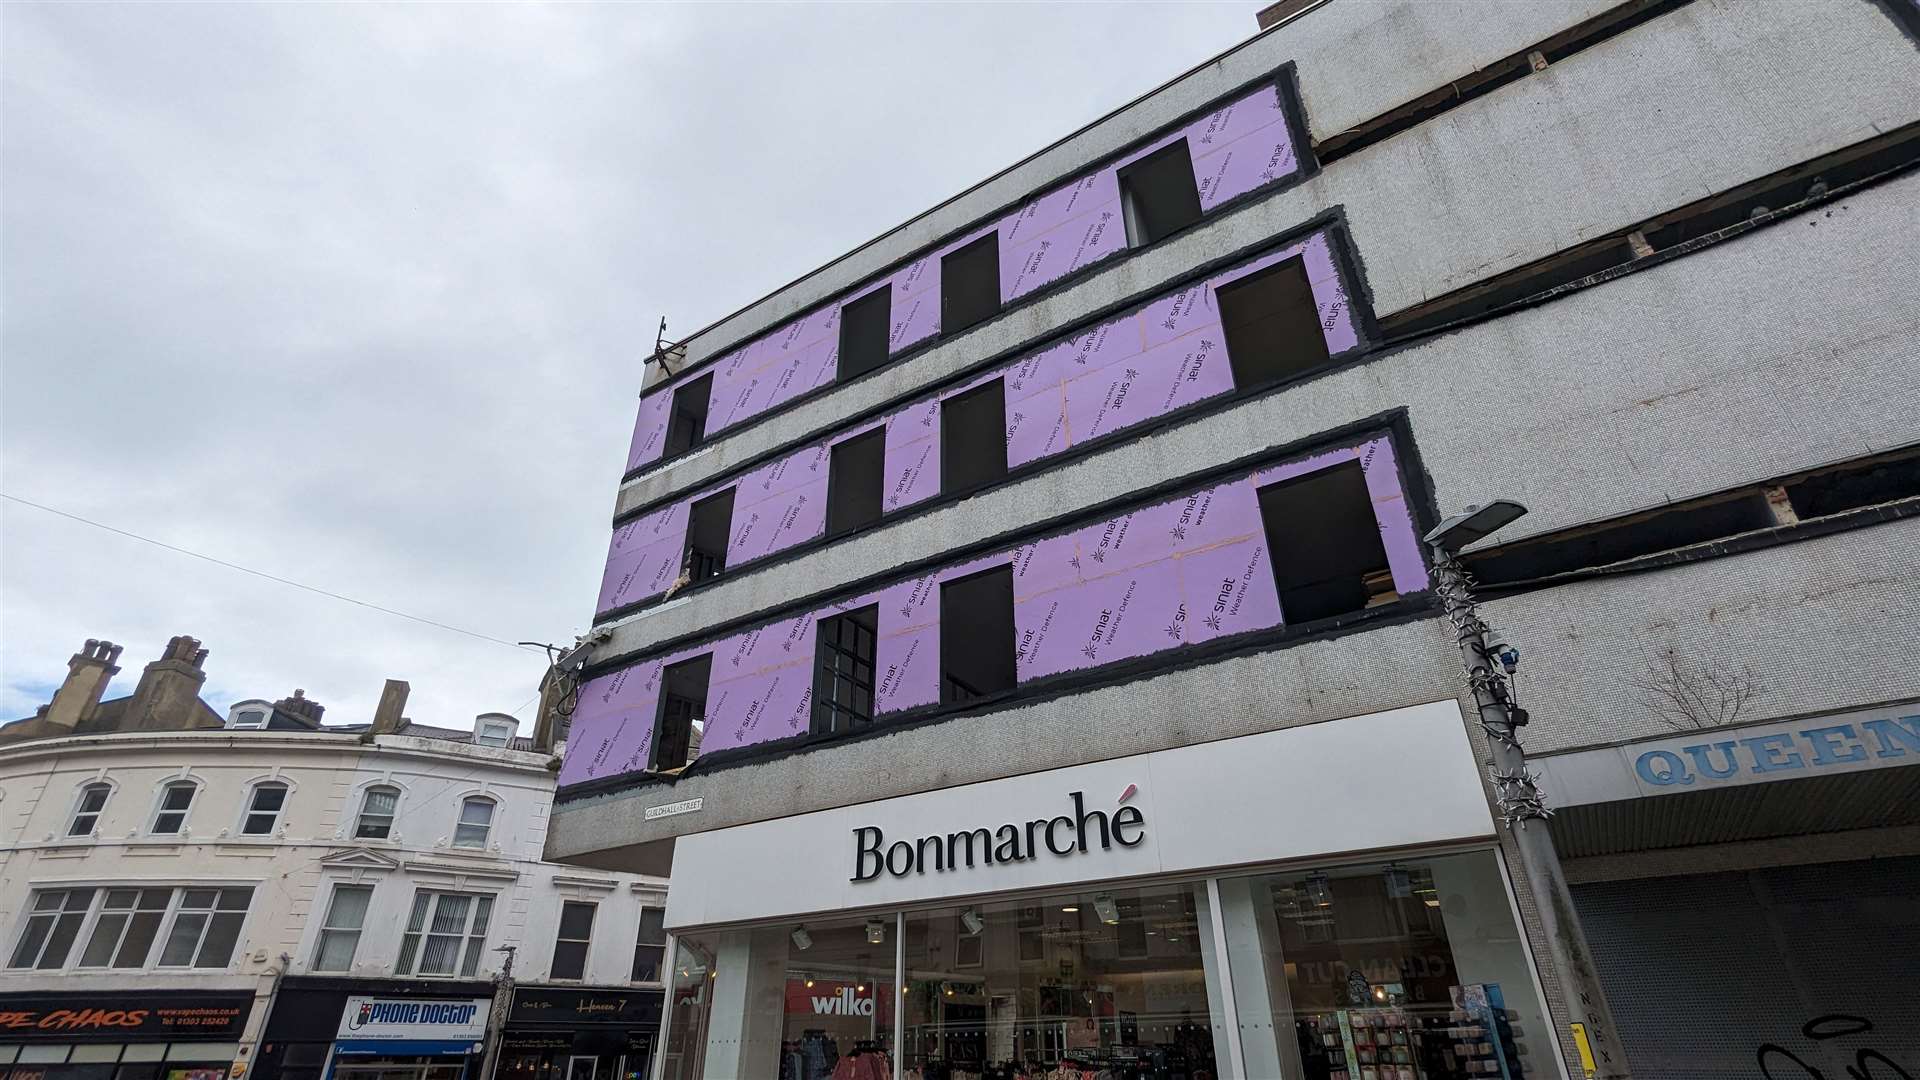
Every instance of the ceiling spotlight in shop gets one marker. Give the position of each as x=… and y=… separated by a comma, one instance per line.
x=876, y=932
x=801, y=939
x=972, y=921
x=1071, y=908
x=1108, y=911
x=1319, y=889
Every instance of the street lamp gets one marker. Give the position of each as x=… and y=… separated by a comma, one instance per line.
x=1522, y=805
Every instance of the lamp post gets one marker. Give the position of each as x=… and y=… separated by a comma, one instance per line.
x=497, y=1014
x=1522, y=805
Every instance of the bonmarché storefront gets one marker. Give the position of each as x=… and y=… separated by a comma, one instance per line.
x=1324, y=902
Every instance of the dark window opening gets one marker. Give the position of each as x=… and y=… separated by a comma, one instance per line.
x=1625, y=538
x=708, y=524
x=1857, y=484
x=855, y=480
x=863, y=332
x=683, y=710
x=1272, y=325
x=843, y=673
x=1325, y=545
x=970, y=284
x=973, y=438
x=1158, y=196
x=687, y=424
x=976, y=636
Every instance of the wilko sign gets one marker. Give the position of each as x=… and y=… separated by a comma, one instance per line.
x=415, y=1018
x=827, y=997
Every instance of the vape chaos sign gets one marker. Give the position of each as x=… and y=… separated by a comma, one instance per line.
x=1015, y=841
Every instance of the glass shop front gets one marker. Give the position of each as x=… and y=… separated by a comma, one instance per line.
x=1315, y=966
x=157, y=1035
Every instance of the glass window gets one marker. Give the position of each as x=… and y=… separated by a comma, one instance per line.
x=570, y=944
x=650, y=946
x=53, y=922
x=206, y=927
x=128, y=925
x=263, y=809
x=340, y=933
x=476, y=820
x=376, y=813
x=445, y=934
x=843, y=679
x=1405, y=969
x=250, y=718
x=171, y=816
x=493, y=734
x=1122, y=981
x=86, y=813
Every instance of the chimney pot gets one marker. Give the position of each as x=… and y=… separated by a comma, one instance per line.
x=387, y=717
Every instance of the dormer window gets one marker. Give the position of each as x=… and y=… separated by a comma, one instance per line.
x=494, y=732
x=249, y=718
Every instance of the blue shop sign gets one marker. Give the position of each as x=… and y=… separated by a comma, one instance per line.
x=1728, y=757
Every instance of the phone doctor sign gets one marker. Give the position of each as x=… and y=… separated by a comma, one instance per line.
x=387, y=1019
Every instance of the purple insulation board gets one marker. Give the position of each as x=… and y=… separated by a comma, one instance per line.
x=1173, y=574
x=1236, y=148
x=1163, y=357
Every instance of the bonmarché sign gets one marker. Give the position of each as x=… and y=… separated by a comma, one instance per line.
x=1063, y=835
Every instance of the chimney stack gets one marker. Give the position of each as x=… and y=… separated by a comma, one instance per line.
x=302, y=706
x=168, y=697
x=88, y=673
x=387, y=716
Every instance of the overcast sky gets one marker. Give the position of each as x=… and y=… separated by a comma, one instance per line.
x=358, y=296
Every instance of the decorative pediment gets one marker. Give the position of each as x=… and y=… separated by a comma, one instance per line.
x=358, y=859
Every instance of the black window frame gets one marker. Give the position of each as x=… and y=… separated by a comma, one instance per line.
x=645, y=947
x=838, y=686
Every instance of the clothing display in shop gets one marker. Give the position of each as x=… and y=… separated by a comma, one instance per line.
x=812, y=1057
x=865, y=1063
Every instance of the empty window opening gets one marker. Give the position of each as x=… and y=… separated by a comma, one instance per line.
x=1857, y=484
x=1158, y=196
x=683, y=712
x=1630, y=537
x=970, y=284
x=1325, y=545
x=708, y=524
x=843, y=675
x=976, y=636
x=973, y=438
x=855, y=479
x=687, y=423
x=863, y=332
x=1272, y=325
